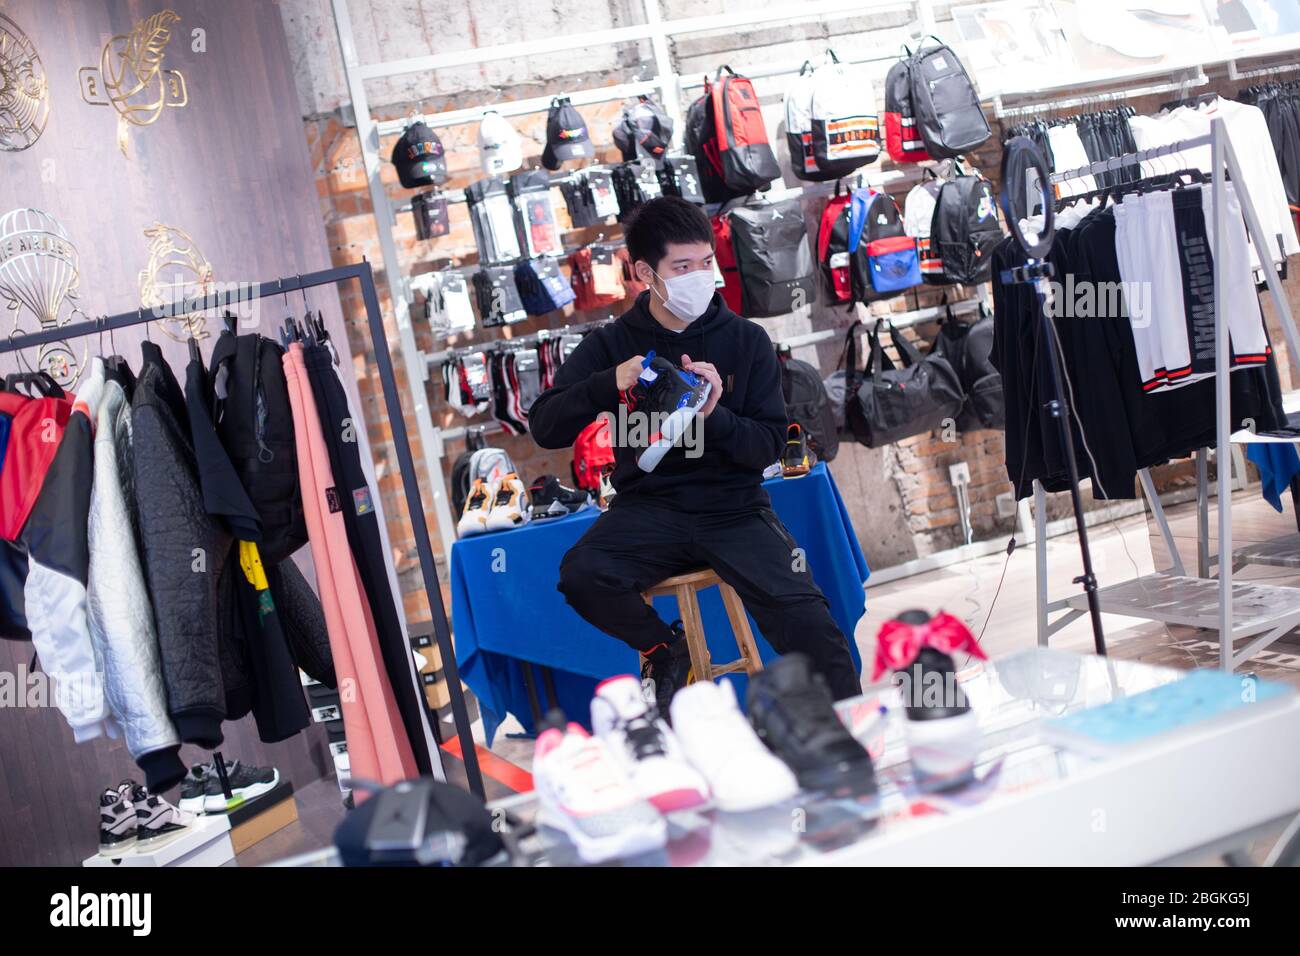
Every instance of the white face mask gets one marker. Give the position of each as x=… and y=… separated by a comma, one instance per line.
x=689, y=294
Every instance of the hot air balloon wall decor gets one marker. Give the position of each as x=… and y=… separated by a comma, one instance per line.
x=24, y=94
x=39, y=273
x=131, y=78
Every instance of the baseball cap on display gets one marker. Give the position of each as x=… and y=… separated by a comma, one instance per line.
x=419, y=157
x=566, y=135
x=643, y=124
x=500, y=150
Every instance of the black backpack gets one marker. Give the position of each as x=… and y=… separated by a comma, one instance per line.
x=968, y=349
x=884, y=404
x=808, y=405
x=772, y=255
x=946, y=106
x=965, y=228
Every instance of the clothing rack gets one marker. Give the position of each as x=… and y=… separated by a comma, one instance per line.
x=1130, y=159
x=1099, y=100
x=401, y=443
x=1236, y=74
x=1174, y=597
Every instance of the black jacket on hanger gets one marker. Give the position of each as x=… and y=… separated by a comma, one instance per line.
x=184, y=551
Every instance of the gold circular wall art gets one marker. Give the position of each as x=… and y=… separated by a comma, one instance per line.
x=24, y=95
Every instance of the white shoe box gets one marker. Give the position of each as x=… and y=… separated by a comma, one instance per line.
x=206, y=843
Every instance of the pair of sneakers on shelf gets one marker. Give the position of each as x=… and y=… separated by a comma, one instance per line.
x=608, y=793
x=494, y=506
x=131, y=819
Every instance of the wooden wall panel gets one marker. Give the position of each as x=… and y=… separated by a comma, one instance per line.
x=232, y=169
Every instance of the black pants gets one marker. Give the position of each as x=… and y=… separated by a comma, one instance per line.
x=359, y=517
x=637, y=544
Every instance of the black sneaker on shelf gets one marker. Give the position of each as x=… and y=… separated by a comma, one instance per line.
x=553, y=499
x=157, y=822
x=797, y=459
x=929, y=684
x=792, y=712
x=194, y=787
x=672, y=394
x=667, y=668
x=246, y=783
x=117, y=823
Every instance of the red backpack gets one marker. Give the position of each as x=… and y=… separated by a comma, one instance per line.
x=724, y=254
x=737, y=145
x=591, y=453
x=902, y=138
x=833, y=248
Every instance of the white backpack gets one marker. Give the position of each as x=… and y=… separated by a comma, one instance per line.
x=918, y=214
x=831, y=122
x=798, y=124
x=845, y=124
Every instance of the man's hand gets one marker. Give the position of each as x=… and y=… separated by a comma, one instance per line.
x=710, y=374
x=627, y=373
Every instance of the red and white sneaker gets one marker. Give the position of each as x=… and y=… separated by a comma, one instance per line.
x=645, y=746
x=583, y=792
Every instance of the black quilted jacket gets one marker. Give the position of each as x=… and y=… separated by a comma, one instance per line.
x=184, y=552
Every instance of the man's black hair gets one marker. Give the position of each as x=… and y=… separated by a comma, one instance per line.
x=661, y=221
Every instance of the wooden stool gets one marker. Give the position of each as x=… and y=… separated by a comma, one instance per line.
x=685, y=587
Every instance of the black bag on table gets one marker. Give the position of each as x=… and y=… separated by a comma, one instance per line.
x=885, y=404
x=808, y=405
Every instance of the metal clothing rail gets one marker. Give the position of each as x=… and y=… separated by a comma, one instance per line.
x=393, y=406
x=1174, y=597
x=1099, y=100
x=1130, y=159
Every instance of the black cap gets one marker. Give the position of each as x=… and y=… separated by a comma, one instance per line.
x=566, y=135
x=646, y=124
x=419, y=157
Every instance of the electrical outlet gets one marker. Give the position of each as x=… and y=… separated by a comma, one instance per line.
x=959, y=473
x=1006, y=503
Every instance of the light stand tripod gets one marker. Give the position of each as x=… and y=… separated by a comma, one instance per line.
x=1021, y=160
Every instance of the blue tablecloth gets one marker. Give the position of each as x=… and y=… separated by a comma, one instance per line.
x=505, y=607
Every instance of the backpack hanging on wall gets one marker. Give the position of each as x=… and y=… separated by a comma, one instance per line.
x=775, y=267
x=918, y=219
x=902, y=141
x=831, y=123
x=808, y=405
x=944, y=102
x=965, y=228
x=842, y=275
x=968, y=349
x=730, y=136
x=884, y=404
x=724, y=257
x=892, y=264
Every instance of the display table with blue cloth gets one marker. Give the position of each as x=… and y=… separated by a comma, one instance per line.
x=506, y=610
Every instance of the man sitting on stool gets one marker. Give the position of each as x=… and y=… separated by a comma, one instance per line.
x=703, y=503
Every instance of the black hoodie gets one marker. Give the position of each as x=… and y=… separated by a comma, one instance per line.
x=742, y=435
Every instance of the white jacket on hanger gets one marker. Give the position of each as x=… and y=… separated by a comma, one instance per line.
x=121, y=614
